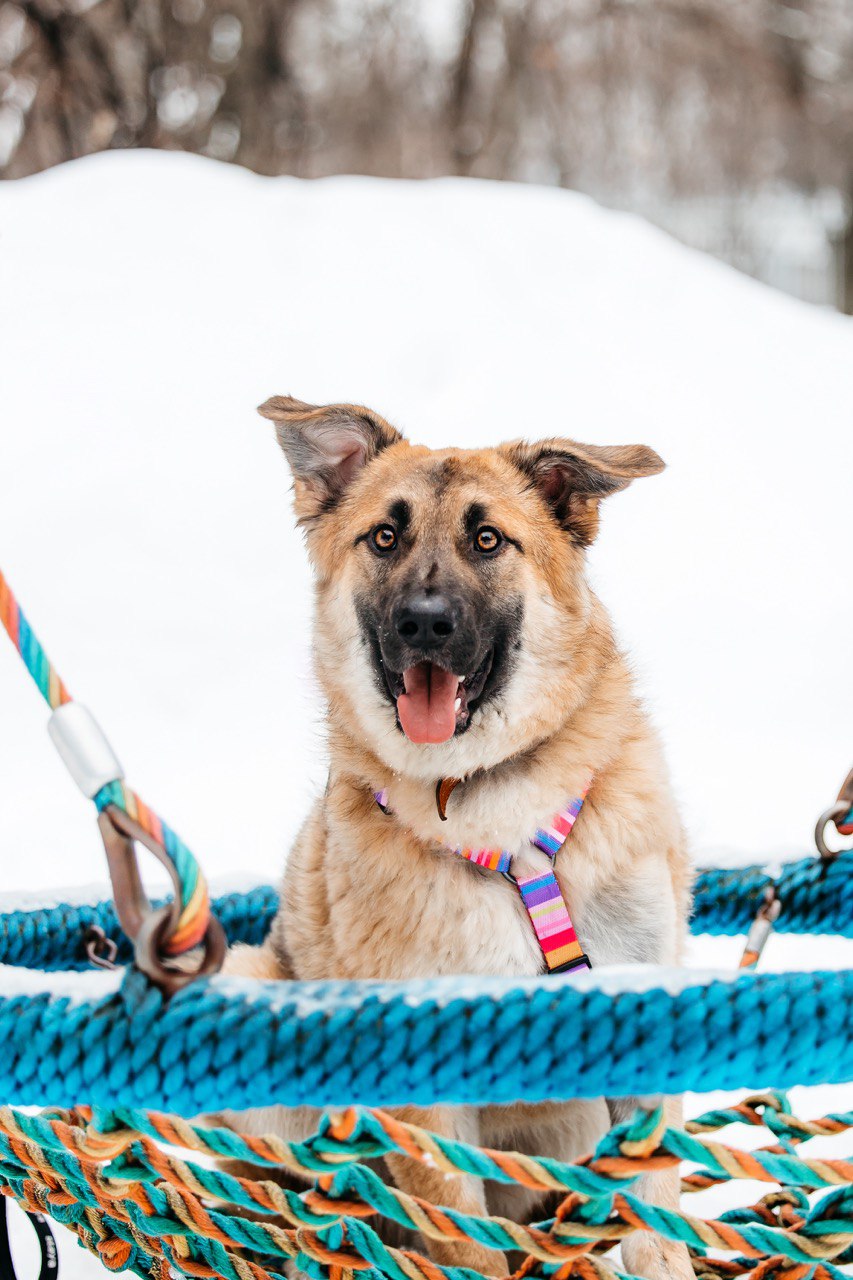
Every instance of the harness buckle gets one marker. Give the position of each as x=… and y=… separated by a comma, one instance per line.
x=582, y=961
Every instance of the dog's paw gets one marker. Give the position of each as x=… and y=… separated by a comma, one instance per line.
x=243, y=961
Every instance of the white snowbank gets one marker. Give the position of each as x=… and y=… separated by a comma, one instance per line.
x=93, y=984
x=152, y=300
x=611, y=979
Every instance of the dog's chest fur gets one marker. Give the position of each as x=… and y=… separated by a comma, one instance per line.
x=365, y=897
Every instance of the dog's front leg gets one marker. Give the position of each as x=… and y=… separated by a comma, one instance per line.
x=462, y=1192
x=645, y=1253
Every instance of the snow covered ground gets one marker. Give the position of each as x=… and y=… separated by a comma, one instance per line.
x=150, y=301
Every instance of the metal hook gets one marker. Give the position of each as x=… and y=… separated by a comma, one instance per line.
x=840, y=809
x=100, y=949
x=761, y=928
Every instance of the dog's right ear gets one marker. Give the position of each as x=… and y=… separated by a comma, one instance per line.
x=326, y=446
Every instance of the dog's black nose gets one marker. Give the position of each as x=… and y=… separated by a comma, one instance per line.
x=425, y=621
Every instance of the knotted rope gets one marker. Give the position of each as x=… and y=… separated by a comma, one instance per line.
x=237, y=1044
x=138, y=1206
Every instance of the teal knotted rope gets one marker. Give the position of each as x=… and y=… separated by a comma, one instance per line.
x=146, y=1206
x=239, y=1043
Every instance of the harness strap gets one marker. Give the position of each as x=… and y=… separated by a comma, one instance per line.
x=552, y=924
x=540, y=893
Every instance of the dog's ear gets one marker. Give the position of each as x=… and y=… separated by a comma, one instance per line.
x=573, y=478
x=326, y=446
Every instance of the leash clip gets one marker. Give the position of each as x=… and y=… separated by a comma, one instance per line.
x=92, y=763
x=840, y=814
x=149, y=927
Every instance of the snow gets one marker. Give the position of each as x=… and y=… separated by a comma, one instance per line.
x=610, y=979
x=150, y=301
x=44, y=897
x=76, y=987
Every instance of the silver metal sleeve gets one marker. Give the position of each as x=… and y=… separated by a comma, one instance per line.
x=80, y=741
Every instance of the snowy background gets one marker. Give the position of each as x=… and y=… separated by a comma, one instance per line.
x=150, y=301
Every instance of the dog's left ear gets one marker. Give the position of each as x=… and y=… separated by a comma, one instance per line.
x=573, y=478
x=326, y=445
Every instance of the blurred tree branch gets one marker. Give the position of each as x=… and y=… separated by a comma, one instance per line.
x=627, y=99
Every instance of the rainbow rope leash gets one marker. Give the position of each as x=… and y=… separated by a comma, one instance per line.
x=194, y=897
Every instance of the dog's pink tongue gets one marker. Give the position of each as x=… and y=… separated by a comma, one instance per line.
x=427, y=709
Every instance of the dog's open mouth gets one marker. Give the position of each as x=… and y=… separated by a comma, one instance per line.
x=433, y=704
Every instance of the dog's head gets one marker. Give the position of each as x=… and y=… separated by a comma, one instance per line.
x=455, y=626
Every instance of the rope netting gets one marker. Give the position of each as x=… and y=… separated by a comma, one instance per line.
x=148, y=1193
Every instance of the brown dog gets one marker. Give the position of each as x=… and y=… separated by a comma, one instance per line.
x=457, y=638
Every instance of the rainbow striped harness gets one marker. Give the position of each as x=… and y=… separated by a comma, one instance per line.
x=540, y=893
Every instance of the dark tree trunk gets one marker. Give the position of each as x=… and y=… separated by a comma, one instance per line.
x=844, y=259
x=465, y=138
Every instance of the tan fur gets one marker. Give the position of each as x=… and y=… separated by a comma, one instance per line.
x=371, y=896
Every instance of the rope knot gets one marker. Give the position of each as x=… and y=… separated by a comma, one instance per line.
x=642, y=1137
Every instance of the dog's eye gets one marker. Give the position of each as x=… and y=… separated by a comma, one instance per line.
x=383, y=538
x=487, y=540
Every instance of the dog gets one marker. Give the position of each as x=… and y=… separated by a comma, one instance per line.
x=473, y=684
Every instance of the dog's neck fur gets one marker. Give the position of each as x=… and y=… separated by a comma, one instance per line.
x=501, y=806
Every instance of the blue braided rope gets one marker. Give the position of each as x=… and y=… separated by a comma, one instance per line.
x=54, y=938
x=815, y=899
x=240, y=1044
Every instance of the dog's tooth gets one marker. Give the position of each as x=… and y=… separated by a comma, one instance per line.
x=457, y=704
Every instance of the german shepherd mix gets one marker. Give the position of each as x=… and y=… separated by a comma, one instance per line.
x=458, y=638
